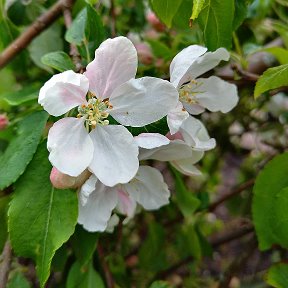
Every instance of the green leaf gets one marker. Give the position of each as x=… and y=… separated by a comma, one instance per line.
x=4, y=201
x=197, y=8
x=87, y=277
x=165, y=10
x=279, y=53
x=22, y=148
x=241, y=10
x=86, y=30
x=85, y=252
x=270, y=200
x=215, y=21
x=160, y=50
x=272, y=78
x=18, y=280
x=41, y=218
x=160, y=284
x=58, y=60
x=186, y=200
x=25, y=95
x=49, y=41
x=277, y=275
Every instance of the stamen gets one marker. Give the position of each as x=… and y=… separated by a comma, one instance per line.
x=189, y=91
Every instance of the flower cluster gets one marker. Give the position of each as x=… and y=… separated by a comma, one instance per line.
x=92, y=149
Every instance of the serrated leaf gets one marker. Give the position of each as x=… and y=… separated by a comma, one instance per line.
x=197, y=8
x=277, y=275
x=186, y=200
x=215, y=20
x=21, y=148
x=58, y=60
x=272, y=78
x=86, y=277
x=22, y=96
x=269, y=206
x=165, y=10
x=41, y=218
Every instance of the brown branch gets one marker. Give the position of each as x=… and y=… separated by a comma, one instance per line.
x=108, y=275
x=231, y=194
x=113, y=18
x=33, y=31
x=5, y=264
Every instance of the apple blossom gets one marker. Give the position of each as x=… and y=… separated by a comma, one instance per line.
x=197, y=94
x=97, y=201
x=183, y=149
x=88, y=141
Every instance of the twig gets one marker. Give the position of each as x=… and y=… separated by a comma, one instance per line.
x=249, y=76
x=5, y=264
x=32, y=31
x=108, y=275
x=231, y=194
x=113, y=18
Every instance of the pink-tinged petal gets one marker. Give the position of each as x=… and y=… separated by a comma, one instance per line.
x=70, y=146
x=95, y=214
x=186, y=166
x=148, y=188
x=63, y=92
x=151, y=140
x=142, y=101
x=87, y=188
x=115, y=157
x=205, y=63
x=182, y=62
x=176, y=117
x=115, y=63
x=195, y=135
x=126, y=205
x=217, y=94
x=176, y=149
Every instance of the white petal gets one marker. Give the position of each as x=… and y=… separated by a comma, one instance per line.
x=94, y=216
x=195, y=134
x=194, y=109
x=142, y=101
x=176, y=149
x=206, y=62
x=186, y=166
x=176, y=117
x=70, y=146
x=148, y=188
x=151, y=140
x=126, y=205
x=87, y=188
x=115, y=158
x=115, y=63
x=63, y=92
x=217, y=95
x=182, y=61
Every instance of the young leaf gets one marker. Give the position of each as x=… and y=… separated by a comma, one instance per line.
x=279, y=53
x=21, y=148
x=197, y=8
x=272, y=78
x=18, y=280
x=216, y=20
x=40, y=218
x=165, y=10
x=277, y=275
x=271, y=196
x=87, y=277
x=58, y=60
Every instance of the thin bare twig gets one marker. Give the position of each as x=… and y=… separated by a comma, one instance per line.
x=5, y=264
x=40, y=24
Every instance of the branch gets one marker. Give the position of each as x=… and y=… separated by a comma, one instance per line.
x=40, y=24
x=5, y=262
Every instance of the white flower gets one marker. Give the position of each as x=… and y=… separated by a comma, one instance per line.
x=97, y=201
x=197, y=94
x=108, y=151
x=184, y=149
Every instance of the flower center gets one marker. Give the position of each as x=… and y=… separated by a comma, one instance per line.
x=189, y=91
x=95, y=112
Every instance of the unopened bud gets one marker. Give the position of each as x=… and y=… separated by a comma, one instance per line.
x=155, y=22
x=144, y=53
x=3, y=121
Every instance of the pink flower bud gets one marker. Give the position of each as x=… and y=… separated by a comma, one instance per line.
x=144, y=53
x=63, y=181
x=176, y=136
x=155, y=22
x=3, y=121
